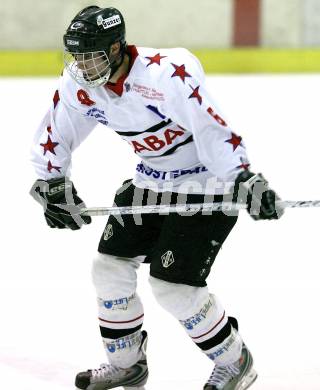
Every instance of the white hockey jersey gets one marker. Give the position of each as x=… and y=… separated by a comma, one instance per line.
x=163, y=109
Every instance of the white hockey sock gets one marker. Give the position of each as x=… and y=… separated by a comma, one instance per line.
x=120, y=327
x=208, y=320
x=124, y=351
x=213, y=333
x=202, y=316
x=121, y=313
x=120, y=308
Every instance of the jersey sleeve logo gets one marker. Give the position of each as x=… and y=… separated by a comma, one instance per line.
x=84, y=98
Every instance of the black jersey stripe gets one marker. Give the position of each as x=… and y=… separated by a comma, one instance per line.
x=150, y=130
x=174, y=148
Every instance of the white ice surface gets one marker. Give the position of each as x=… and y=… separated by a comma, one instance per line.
x=267, y=274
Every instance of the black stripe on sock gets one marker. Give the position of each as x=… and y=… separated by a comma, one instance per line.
x=109, y=333
x=217, y=339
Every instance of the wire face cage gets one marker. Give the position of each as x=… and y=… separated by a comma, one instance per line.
x=91, y=69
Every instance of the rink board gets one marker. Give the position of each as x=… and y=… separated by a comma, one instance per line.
x=246, y=60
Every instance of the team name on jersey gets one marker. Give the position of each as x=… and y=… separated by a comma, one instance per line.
x=154, y=143
x=167, y=175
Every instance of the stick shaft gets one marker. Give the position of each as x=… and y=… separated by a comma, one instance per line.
x=186, y=208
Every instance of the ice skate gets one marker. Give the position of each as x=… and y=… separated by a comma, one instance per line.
x=110, y=377
x=237, y=376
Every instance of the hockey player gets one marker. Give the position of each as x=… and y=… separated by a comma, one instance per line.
x=157, y=101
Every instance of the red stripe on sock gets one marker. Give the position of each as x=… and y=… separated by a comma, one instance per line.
x=246, y=22
x=121, y=322
x=221, y=319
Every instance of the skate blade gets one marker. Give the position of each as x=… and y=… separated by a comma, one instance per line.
x=135, y=388
x=247, y=380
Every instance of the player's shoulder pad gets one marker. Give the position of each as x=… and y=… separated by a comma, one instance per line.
x=164, y=62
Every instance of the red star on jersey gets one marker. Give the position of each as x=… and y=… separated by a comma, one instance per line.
x=155, y=59
x=195, y=94
x=180, y=71
x=49, y=146
x=235, y=141
x=244, y=164
x=50, y=167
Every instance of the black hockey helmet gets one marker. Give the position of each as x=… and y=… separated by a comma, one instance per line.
x=89, y=37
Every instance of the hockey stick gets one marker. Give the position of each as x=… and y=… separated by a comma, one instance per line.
x=186, y=208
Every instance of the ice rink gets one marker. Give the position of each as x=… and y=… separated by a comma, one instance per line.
x=267, y=274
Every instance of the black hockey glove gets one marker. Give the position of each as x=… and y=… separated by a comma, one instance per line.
x=253, y=189
x=60, y=202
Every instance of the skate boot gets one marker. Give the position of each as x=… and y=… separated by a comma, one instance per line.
x=109, y=376
x=237, y=376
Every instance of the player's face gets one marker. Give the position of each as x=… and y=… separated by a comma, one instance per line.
x=93, y=65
